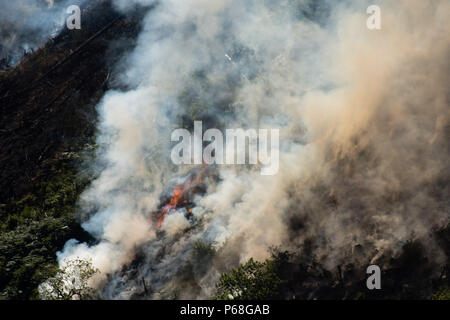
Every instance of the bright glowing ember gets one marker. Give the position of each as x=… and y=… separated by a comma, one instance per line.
x=181, y=197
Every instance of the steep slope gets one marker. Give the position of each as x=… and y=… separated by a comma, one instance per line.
x=48, y=120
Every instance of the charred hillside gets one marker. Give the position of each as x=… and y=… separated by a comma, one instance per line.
x=48, y=100
x=48, y=120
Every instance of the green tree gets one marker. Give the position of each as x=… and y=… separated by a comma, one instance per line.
x=441, y=294
x=70, y=282
x=201, y=257
x=250, y=281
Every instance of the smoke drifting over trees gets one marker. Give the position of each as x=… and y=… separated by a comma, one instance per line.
x=28, y=24
x=363, y=119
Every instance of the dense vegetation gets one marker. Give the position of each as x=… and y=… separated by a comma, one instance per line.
x=48, y=107
x=250, y=281
x=287, y=276
x=34, y=228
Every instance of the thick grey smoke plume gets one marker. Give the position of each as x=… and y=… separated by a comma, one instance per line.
x=363, y=119
x=28, y=24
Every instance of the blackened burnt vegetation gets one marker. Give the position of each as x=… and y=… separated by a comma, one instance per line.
x=290, y=275
x=47, y=136
x=410, y=275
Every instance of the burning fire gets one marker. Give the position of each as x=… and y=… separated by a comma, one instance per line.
x=181, y=197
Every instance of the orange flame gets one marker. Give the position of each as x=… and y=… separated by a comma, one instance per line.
x=176, y=199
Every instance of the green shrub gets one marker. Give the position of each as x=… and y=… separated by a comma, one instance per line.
x=250, y=281
x=441, y=294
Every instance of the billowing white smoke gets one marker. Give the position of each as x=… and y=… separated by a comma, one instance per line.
x=28, y=24
x=362, y=117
